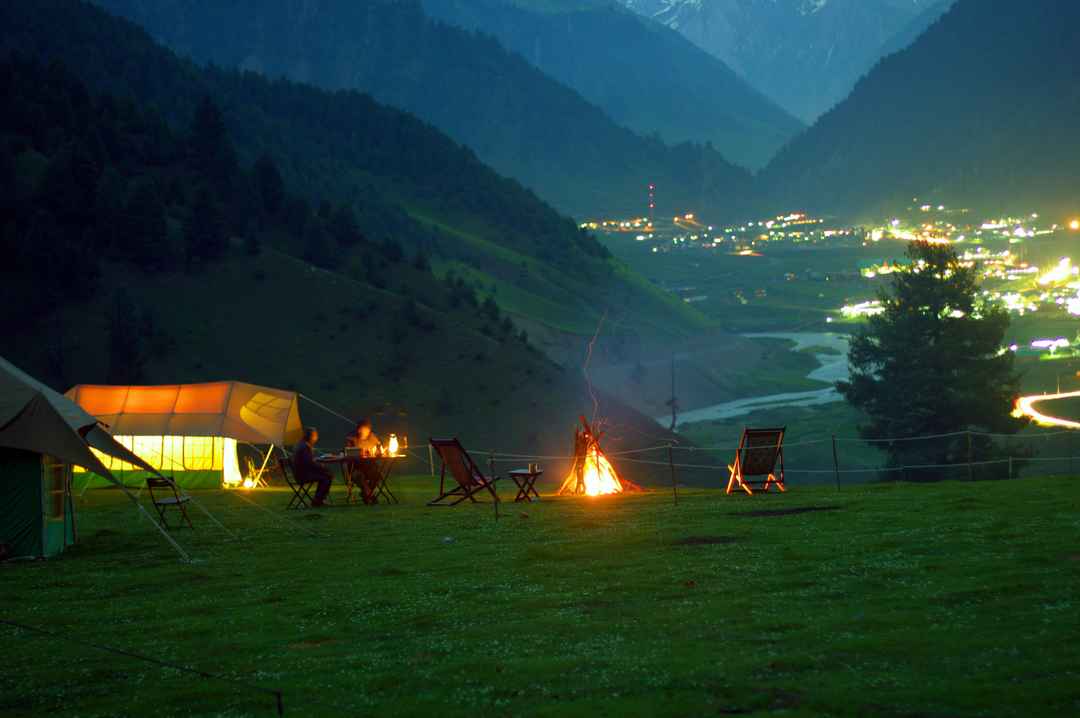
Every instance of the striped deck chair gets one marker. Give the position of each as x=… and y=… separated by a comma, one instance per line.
x=756, y=460
x=468, y=479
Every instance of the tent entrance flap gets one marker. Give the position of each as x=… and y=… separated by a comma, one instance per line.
x=37, y=518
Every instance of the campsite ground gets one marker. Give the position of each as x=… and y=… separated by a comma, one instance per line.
x=900, y=600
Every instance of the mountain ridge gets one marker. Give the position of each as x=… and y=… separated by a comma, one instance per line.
x=806, y=55
x=646, y=76
x=516, y=119
x=952, y=118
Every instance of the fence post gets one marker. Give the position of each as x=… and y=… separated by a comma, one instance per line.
x=431, y=459
x=671, y=465
x=836, y=462
x=495, y=485
x=1010, y=468
x=970, y=470
x=1069, y=440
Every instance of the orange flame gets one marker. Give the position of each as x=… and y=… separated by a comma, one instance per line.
x=597, y=473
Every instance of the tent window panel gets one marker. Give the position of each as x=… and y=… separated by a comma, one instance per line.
x=202, y=453
x=150, y=449
x=170, y=453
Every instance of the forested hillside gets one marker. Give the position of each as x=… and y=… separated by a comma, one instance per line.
x=643, y=74
x=403, y=179
x=980, y=111
x=164, y=223
x=140, y=251
x=516, y=119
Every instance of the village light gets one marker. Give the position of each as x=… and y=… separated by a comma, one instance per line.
x=1059, y=273
x=1051, y=344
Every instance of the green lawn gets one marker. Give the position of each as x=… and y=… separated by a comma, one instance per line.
x=949, y=599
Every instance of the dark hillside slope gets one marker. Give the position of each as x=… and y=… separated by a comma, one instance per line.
x=404, y=180
x=980, y=111
x=140, y=252
x=518, y=120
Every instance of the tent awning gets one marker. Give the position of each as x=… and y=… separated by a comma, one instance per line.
x=232, y=409
x=34, y=417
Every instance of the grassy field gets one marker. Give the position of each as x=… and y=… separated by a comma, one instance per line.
x=951, y=599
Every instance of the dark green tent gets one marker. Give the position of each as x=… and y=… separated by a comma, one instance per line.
x=37, y=517
x=42, y=435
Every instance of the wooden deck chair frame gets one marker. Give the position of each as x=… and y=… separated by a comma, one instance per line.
x=759, y=454
x=301, y=494
x=467, y=476
x=165, y=485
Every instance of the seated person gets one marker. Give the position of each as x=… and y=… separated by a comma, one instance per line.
x=309, y=471
x=362, y=438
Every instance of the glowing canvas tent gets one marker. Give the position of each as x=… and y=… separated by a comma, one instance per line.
x=42, y=435
x=190, y=431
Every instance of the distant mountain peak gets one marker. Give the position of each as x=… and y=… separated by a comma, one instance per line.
x=805, y=55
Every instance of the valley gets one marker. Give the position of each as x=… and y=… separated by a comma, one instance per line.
x=807, y=282
x=639, y=325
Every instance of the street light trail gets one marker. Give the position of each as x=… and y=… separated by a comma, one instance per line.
x=1025, y=406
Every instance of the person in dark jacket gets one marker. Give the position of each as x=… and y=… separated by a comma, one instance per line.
x=309, y=471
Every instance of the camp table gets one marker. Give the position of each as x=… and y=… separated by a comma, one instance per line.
x=525, y=480
x=373, y=472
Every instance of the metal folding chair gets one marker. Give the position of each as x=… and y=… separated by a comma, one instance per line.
x=301, y=494
x=164, y=494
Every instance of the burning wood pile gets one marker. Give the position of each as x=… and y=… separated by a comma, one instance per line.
x=591, y=474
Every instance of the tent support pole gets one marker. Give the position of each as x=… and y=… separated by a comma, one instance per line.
x=210, y=516
x=266, y=460
x=168, y=537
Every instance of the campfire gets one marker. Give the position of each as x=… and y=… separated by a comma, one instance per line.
x=591, y=474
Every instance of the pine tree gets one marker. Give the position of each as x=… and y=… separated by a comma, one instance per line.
x=421, y=262
x=144, y=239
x=211, y=150
x=317, y=249
x=271, y=186
x=127, y=349
x=933, y=363
x=204, y=230
x=343, y=227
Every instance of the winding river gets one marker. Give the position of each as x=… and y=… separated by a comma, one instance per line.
x=834, y=368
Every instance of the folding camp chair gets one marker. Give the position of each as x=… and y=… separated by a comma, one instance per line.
x=160, y=489
x=301, y=498
x=755, y=467
x=468, y=477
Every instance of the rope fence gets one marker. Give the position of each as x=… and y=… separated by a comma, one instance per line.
x=983, y=455
x=821, y=457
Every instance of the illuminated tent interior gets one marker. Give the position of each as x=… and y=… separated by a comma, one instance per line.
x=191, y=431
x=42, y=436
